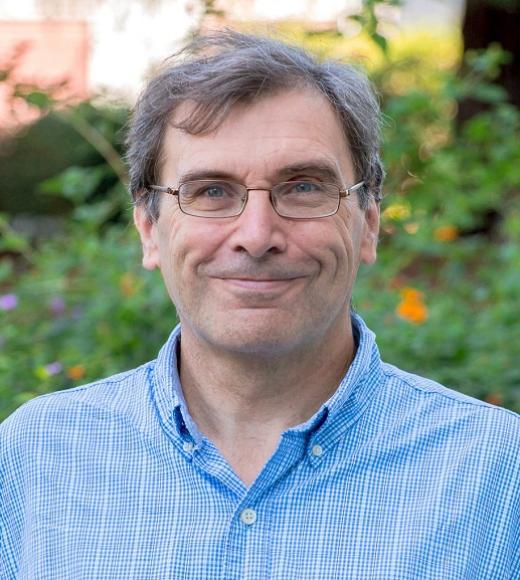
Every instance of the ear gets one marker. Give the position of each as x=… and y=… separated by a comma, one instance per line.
x=149, y=240
x=370, y=235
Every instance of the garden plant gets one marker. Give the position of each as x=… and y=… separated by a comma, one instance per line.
x=76, y=305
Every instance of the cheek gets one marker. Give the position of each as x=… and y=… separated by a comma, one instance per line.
x=327, y=244
x=349, y=228
x=186, y=245
x=170, y=235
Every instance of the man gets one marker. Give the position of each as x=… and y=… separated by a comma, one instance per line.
x=268, y=440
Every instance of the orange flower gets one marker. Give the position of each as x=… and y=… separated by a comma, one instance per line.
x=76, y=372
x=412, y=307
x=410, y=294
x=495, y=399
x=127, y=285
x=446, y=233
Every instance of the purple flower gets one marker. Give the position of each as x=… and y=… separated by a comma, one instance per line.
x=57, y=305
x=53, y=368
x=77, y=312
x=8, y=302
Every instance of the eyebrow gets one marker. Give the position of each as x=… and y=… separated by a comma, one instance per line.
x=317, y=168
x=197, y=174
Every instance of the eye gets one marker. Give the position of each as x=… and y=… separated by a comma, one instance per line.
x=304, y=187
x=209, y=190
x=213, y=191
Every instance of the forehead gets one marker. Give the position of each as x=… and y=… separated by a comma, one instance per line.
x=261, y=139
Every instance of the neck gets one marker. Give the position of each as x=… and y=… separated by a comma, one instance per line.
x=243, y=404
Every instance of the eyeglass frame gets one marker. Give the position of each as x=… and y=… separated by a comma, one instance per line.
x=342, y=193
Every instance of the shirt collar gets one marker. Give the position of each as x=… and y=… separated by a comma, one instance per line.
x=166, y=391
x=350, y=398
x=356, y=387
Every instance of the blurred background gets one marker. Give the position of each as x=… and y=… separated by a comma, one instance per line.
x=75, y=304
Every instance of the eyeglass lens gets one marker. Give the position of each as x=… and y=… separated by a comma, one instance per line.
x=296, y=199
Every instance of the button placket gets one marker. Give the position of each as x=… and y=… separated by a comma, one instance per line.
x=188, y=446
x=248, y=516
x=317, y=450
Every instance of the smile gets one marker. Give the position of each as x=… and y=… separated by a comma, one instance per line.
x=258, y=285
x=260, y=289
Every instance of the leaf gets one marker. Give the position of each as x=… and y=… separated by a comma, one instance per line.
x=489, y=93
x=38, y=99
x=13, y=242
x=380, y=41
x=94, y=214
x=6, y=270
x=357, y=18
x=75, y=184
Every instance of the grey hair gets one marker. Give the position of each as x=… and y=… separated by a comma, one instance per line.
x=218, y=71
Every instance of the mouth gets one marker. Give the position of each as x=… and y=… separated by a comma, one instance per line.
x=262, y=289
x=260, y=284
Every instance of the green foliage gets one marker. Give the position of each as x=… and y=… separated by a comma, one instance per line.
x=72, y=154
x=369, y=21
x=442, y=297
x=42, y=150
x=85, y=309
x=450, y=230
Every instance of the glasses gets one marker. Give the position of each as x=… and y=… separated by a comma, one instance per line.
x=211, y=198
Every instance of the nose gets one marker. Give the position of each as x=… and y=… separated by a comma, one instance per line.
x=259, y=229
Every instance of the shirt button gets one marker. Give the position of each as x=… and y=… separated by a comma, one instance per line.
x=248, y=516
x=187, y=446
x=317, y=450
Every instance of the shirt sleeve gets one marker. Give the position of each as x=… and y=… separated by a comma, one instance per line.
x=11, y=496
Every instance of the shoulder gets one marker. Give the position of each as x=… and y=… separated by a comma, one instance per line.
x=422, y=387
x=460, y=422
x=436, y=398
x=71, y=411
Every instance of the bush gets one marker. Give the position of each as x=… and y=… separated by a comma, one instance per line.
x=442, y=298
x=84, y=309
x=54, y=156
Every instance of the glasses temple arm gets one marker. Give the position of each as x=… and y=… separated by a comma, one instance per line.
x=162, y=189
x=349, y=190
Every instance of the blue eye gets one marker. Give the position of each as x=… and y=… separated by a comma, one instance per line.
x=213, y=191
x=304, y=187
x=298, y=187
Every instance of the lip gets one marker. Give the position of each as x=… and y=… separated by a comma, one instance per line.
x=260, y=284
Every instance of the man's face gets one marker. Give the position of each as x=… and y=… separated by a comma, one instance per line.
x=259, y=283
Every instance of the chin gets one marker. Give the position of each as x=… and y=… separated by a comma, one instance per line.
x=261, y=337
x=261, y=347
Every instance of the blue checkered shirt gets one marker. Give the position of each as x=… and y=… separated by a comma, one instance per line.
x=395, y=477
